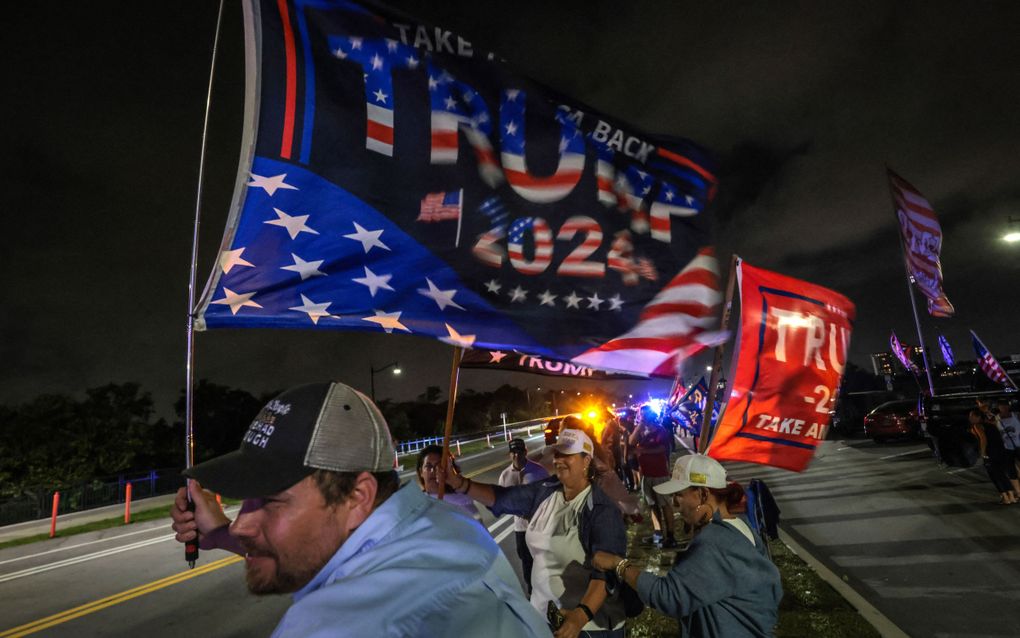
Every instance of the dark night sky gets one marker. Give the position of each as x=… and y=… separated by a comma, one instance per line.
x=803, y=103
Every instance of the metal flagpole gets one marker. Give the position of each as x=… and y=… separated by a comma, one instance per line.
x=458, y=352
x=706, y=429
x=917, y=322
x=191, y=549
x=913, y=305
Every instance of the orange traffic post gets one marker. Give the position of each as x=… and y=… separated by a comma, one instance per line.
x=127, y=503
x=53, y=519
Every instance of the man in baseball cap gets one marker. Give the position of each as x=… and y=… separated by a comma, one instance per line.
x=326, y=520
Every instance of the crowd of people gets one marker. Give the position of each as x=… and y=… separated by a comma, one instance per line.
x=325, y=519
x=997, y=430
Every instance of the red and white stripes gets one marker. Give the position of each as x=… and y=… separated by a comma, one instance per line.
x=676, y=324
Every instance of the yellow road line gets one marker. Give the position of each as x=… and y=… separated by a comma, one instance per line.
x=109, y=601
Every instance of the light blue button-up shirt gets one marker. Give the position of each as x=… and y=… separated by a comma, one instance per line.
x=415, y=567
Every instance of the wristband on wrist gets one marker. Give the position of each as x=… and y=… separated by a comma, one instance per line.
x=587, y=611
x=621, y=569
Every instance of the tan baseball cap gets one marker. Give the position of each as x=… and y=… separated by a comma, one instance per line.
x=694, y=470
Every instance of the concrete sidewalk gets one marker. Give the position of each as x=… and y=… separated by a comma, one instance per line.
x=42, y=525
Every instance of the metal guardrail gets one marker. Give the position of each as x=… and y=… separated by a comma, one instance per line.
x=36, y=503
x=404, y=448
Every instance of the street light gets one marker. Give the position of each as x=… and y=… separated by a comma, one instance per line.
x=396, y=370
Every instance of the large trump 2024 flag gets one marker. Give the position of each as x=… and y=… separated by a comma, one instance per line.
x=397, y=179
x=792, y=349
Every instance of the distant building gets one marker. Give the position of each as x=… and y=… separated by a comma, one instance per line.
x=882, y=363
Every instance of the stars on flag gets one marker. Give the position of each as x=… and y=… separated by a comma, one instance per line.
x=443, y=298
x=594, y=301
x=518, y=295
x=573, y=301
x=493, y=286
x=270, y=184
x=236, y=301
x=294, y=224
x=380, y=96
x=305, y=268
x=231, y=258
x=495, y=356
x=369, y=238
x=616, y=303
x=454, y=338
x=314, y=310
x=374, y=282
x=388, y=321
x=547, y=299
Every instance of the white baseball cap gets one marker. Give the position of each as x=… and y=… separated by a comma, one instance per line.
x=573, y=442
x=694, y=470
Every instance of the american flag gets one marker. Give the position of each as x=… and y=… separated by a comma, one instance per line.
x=438, y=207
x=922, y=243
x=361, y=133
x=512, y=135
x=902, y=353
x=678, y=323
x=990, y=365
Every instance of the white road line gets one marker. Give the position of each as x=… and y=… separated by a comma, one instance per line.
x=229, y=510
x=499, y=522
x=81, y=559
x=893, y=456
x=509, y=530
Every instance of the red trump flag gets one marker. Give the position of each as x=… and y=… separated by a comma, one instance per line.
x=791, y=352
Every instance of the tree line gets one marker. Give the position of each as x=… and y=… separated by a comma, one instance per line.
x=58, y=440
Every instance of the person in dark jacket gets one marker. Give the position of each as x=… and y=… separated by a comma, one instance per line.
x=997, y=460
x=723, y=585
x=570, y=519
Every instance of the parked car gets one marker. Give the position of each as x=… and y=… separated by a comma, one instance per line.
x=552, y=430
x=893, y=420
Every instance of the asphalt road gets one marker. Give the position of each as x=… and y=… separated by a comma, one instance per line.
x=929, y=548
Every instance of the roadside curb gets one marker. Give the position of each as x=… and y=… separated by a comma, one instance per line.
x=877, y=619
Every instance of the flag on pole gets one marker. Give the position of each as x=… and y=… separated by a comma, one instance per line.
x=990, y=365
x=519, y=362
x=687, y=409
x=902, y=353
x=439, y=207
x=791, y=353
x=947, y=351
x=922, y=243
x=579, y=238
x=676, y=392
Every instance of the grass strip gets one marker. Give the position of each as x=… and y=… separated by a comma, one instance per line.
x=810, y=606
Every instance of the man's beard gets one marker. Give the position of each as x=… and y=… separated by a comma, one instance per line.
x=282, y=580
